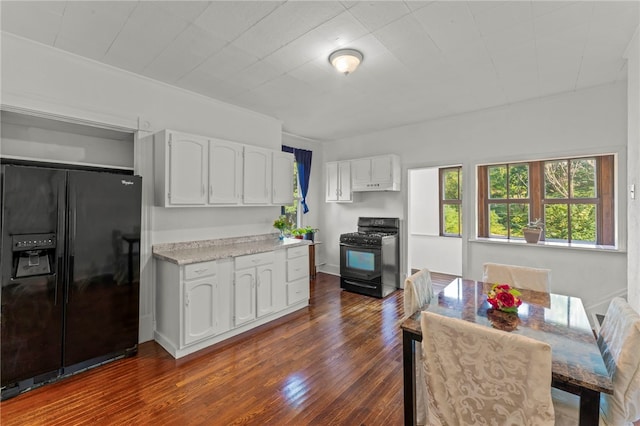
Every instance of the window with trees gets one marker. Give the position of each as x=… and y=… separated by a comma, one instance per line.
x=451, y=201
x=574, y=197
x=291, y=211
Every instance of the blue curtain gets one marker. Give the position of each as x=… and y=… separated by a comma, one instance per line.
x=303, y=159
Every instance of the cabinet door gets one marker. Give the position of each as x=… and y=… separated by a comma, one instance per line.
x=344, y=189
x=257, y=175
x=244, y=293
x=361, y=172
x=225, y=172
x=331, y=170
x=187, y=169
x=200, y=313
x=282, y=178
x=381, y=170
x=264, y=289
x=297, y=291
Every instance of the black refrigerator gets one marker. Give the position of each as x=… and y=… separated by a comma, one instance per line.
x=70, y=267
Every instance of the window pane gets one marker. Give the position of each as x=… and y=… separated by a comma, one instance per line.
x=556, y=222
x=291, y=211
x=498, y=182
x=519, y=181
x=556, y=181
x=450, y=185
x=583, y=223
x=451, y=219
x=519, y=219
x=498, y=220
x=583, y=178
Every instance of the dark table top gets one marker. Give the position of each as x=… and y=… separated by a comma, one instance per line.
x=558, y=320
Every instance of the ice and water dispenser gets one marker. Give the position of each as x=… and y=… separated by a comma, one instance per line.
x=33, y=254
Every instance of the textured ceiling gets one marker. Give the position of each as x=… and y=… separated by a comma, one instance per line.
x=422, y=59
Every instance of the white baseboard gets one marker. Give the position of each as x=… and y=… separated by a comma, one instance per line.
x=330, y=269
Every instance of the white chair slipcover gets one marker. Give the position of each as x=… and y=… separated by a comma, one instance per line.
x=517, y=276
x=619, y=341
x=418, y=291
x=476, y=375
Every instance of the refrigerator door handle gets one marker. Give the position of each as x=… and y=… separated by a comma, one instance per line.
x=72, y=240
x=62, y=218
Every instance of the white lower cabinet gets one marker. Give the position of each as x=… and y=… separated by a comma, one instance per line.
x=297, y=275
x=200, y=315
x=254, y=281
x=200, y=304
x=244, y=291
x=193, y=303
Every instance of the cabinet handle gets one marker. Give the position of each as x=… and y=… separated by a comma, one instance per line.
x=186, y=299
x=200, y=271
x=341, y=192
x=202, y=189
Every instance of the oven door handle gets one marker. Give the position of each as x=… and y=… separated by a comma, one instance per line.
x=360, y=284
x=360, y=246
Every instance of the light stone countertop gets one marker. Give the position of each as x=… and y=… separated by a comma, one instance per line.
x=185, y=253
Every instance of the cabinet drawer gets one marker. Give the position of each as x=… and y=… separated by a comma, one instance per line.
x=298, y=268
x=297, y=251
x=202, y=269
x=297, y=291
x=258, y=259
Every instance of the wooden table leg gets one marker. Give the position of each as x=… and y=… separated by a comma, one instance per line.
x=409, y=379
x=589, y=408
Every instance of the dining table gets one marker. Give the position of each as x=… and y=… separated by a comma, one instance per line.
x=559, y=320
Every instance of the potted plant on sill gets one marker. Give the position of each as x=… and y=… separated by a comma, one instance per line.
x=533, y=231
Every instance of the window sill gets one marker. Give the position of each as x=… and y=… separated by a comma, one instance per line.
x=550, y=244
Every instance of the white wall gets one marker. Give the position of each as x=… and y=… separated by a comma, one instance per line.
x=42, y=144
x=43, y=79
x=633, y=214
x=591, y=121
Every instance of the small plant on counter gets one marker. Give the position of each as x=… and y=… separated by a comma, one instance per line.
x=281, y=224
x=306, y=232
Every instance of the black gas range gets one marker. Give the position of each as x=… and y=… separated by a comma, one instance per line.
x=370, y=257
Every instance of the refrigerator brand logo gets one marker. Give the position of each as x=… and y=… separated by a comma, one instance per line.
x=126, y=182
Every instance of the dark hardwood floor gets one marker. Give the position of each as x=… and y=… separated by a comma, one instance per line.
x=337, y=362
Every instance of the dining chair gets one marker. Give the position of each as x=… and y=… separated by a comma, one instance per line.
x=418, y=291
x=522, y=277
x=475, y=374
x=619, y=342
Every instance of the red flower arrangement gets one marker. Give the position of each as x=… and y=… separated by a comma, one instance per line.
x=504, y=298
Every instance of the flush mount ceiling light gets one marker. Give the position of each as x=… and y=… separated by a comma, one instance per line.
x=345, y=60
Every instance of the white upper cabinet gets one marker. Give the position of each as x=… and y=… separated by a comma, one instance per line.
x=282, y=191
x=197, y=171
x=181, y=178
x=257, y=175
x=225, y=172
x=338, y=181
x=381, y=173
